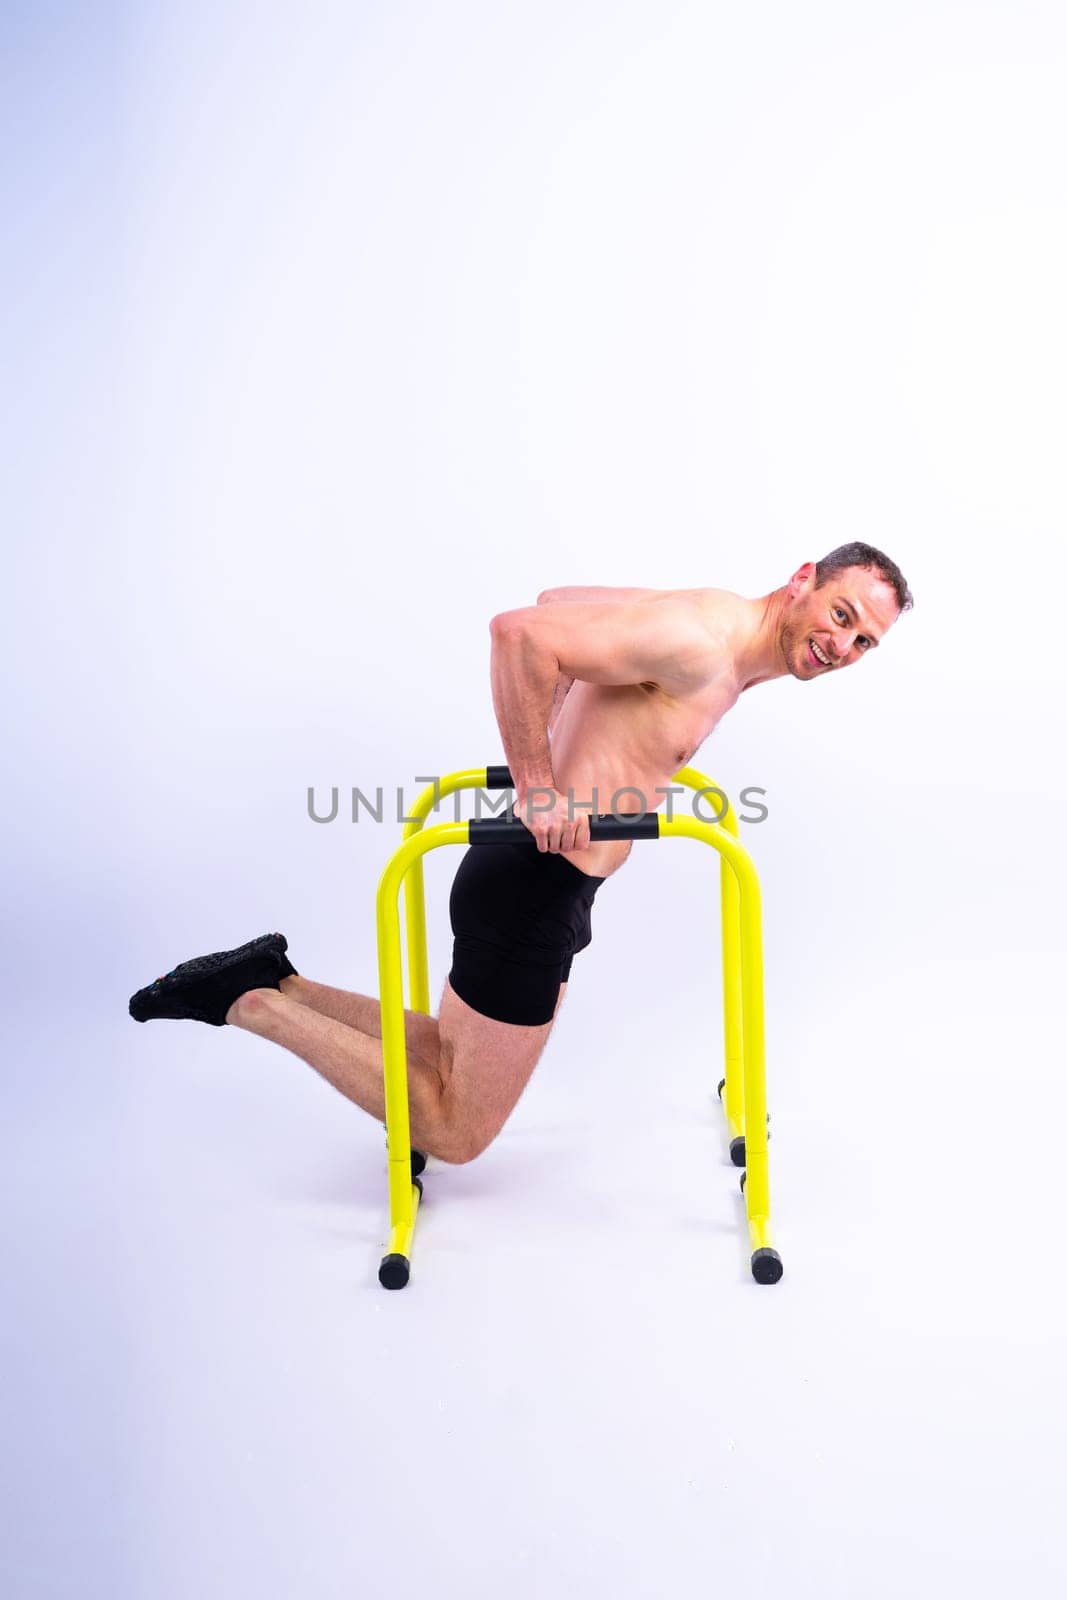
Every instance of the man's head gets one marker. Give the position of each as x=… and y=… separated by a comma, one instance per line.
x=839, y=608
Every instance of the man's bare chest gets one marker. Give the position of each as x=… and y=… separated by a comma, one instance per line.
x=642, y=722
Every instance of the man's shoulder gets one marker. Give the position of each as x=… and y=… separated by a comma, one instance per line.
x=695, y=629
x=719, y=602
x=721, y=621
x=715, y=608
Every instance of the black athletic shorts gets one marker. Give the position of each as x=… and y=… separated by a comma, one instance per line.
x=519, y=916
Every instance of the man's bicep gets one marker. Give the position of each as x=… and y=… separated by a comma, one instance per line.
x=616, y=643
x=574, y=595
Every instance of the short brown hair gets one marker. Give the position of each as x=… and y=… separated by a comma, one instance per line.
x=864, y=555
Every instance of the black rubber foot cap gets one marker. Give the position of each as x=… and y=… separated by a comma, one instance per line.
x=737, y=1151
x=766, y=1265
x=722, y=1086
x=394, y=1272
x=418, y=1163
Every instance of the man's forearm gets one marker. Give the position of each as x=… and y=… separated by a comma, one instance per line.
x=524, y=680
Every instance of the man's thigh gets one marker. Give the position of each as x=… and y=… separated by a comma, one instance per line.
x=486, y=1064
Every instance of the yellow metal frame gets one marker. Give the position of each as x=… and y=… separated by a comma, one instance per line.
x=743, y=1088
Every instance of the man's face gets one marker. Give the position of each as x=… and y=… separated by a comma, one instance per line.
x=826, y=629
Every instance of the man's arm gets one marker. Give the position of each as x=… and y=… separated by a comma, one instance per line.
x=604, y=642
x=549, y=597
x=552, y=596
x=561, y=596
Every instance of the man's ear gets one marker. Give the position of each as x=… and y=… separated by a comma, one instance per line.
x=802, y=580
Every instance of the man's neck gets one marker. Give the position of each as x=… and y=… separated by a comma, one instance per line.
x=759, y=654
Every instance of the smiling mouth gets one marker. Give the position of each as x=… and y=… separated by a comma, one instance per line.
x=820, y=657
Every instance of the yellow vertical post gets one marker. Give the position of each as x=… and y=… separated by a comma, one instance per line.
x=403, y=1192
x=757, y=1181
x=732, y=1019
x=730, y=917
x=394, y=1060
x=415, y=930
x=766, y=1264
x=414, y=890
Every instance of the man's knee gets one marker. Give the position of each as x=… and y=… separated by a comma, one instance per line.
x=465, y=1143
x=469, y=1122
x=484, y=1067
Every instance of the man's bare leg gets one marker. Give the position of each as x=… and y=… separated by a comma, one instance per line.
x=363, y=1012
x=465, y=1070
x=459, y=1095
x=350, y=1060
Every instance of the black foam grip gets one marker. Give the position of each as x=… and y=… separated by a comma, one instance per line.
x=503, y=830
x=498, y=778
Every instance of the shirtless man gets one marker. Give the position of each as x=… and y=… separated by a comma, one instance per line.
x=594, y=690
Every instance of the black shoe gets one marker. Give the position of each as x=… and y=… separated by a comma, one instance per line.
x=204, y=989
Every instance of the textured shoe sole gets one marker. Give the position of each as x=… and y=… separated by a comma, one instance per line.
x=144, y=1004
x=266, y=944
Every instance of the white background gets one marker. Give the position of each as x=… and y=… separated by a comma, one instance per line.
x=333, y=330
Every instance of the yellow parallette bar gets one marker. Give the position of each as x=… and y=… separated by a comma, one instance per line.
x=742, y=967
